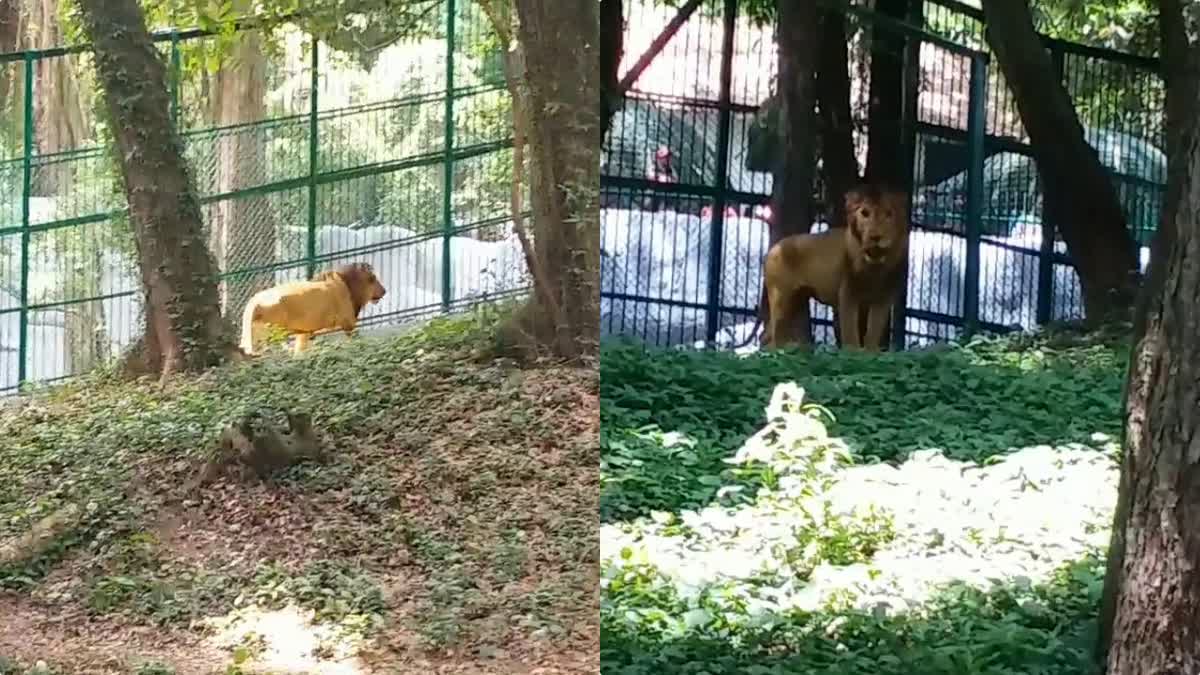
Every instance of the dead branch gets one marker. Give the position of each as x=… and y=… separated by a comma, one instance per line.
x=41, y=536
x=262, y=450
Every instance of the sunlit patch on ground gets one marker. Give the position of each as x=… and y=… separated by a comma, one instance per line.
x=875, y=537
x=286, y=641
x=966, y=535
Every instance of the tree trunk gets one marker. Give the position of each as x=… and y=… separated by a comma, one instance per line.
x=799, y=45
x=837, y=125
x=59, y=126
x=1181, y=97
x=885, y=111
x=1157, y=595
x=560, y=41
x=11, y=24
x=1083, y=203
x=184, y=329
x=59, y=119
x=612, y=48
x=242, y=232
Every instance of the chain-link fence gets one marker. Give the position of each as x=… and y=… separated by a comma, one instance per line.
x=304, y=157
x=686, y=172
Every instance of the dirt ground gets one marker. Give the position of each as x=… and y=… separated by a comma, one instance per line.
x=459, y=514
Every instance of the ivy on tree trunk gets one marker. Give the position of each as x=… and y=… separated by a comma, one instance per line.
x=184, y=328
x=560, y=41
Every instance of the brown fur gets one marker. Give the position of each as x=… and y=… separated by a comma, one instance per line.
x=854, y=268
x=331, y=301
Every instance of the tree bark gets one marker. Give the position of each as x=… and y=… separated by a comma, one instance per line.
x=612, y=49
x=1083, y=202
x=799, y=45
x=242, y=232
x=560, y=42
x=1181, y=99
x=184, y=329
x=59, y=119
x=837, y=124
x=11, y=23
x=885, y=111
x=60, y=125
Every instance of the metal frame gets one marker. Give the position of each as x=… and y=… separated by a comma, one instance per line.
x=975, y=137
x=309, y=180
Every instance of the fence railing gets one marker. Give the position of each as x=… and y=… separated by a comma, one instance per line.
x=402, y=162
x=682, y=260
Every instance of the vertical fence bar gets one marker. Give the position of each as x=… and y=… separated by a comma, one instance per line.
x=448, y=160
x=313, y=159
x=976, y=120
x=1045, y=296
x=910, y=92
x=716, y=242
x=176, y=70
x=26, y=189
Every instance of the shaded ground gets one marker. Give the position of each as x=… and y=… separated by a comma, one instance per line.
x=453, y=530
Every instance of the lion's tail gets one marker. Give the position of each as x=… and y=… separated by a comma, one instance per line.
x=248, y=316
x=764, y=314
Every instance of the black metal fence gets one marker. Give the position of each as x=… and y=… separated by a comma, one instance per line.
x=683, y=249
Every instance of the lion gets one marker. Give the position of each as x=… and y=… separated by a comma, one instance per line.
x=851, y=268
x=331, y=301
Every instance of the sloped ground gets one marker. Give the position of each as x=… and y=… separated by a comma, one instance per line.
x=452, y=530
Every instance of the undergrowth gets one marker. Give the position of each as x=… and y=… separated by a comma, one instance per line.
x=78, y=441
x=671, y=422
x=453, y=510
x=669, y=417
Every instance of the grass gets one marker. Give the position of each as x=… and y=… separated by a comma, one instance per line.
x=670, y=419
x=454, y=520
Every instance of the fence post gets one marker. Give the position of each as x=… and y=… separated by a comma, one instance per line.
x=176, y=67
x=26, y=189
x=1045, y=297
x=976, y=121
x=910, y=94
x=313, y=158
x=448, y=159
x=716, y=240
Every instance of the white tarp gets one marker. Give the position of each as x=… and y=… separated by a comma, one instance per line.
x=664, y=255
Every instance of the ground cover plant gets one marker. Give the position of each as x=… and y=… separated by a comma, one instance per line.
x=451, y=529
x=960, y=527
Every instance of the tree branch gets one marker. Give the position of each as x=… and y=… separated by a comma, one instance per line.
x=657, y=45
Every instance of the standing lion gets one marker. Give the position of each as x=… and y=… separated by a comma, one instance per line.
x=331, y=301
x=853, y=268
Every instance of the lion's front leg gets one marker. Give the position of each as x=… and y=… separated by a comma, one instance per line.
x=877, y=317
x=848, y=318
x=303, y=341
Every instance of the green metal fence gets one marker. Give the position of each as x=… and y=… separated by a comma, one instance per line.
x=682, y=261
x=400, y=156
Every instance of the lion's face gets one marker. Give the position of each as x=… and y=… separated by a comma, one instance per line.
x=363, y=283
x=878, y=221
